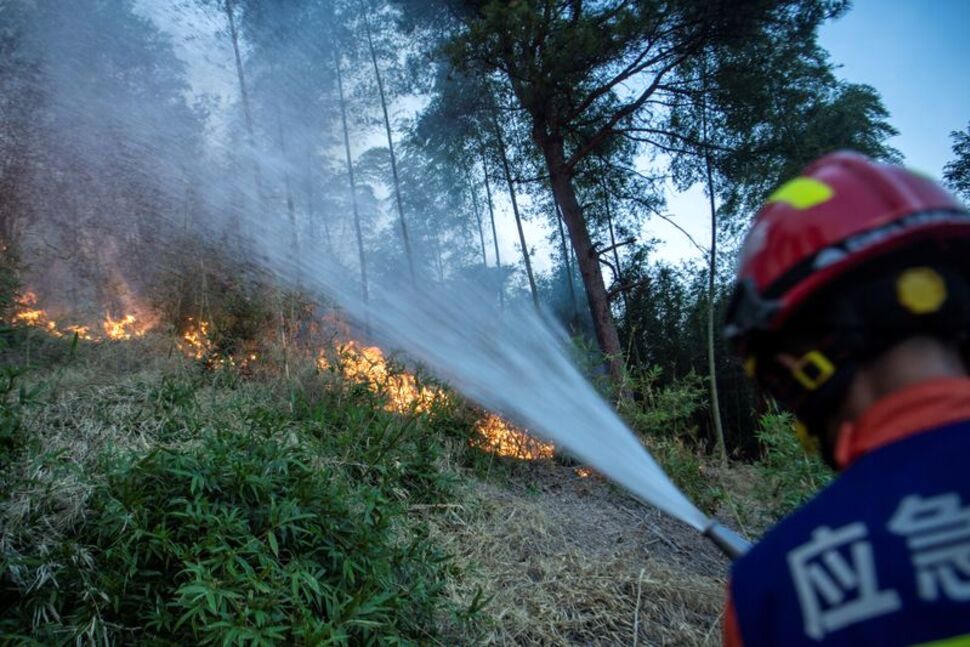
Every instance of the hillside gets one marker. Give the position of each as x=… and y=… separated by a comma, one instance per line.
x=150, y=491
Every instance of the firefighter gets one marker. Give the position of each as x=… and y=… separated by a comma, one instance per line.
x=852, y=310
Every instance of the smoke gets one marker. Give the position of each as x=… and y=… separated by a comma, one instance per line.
x=127, y=161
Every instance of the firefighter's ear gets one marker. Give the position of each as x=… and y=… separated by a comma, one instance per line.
x=787, y=360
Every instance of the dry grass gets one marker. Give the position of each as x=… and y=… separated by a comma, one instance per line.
x=105, y=400
x=571, y=561
x=561, y=559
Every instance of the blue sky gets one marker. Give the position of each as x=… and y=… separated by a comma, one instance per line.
x=916, y=54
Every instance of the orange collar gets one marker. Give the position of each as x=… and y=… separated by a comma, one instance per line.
x=905, y=413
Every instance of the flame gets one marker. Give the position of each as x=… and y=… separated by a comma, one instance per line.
x=196, y=341
x=367, y=365
x=83, y=333
x=28, y=314
x=584, y=472
x=123, y=329
x=499, y=437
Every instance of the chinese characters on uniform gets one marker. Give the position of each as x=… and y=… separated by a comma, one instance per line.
x=937, y=532
x=835, y=575
x=835, y=578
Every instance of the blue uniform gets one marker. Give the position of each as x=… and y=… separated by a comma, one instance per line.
x=880, y=557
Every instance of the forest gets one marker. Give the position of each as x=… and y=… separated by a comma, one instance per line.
x=325, y=321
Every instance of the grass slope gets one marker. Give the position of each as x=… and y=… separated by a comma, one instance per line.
x=146, y=498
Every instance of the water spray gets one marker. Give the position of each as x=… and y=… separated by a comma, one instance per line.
x=503, y=356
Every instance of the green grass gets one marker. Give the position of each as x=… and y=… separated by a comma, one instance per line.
x=146, y=497
x=149, y=499
x=790, y=476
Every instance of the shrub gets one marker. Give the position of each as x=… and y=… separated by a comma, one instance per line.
x=241, y=538
x=14, y=399
x=664, y=410
x=398, y=454
x=791, y=475
x=664, y=415
x=205, y=282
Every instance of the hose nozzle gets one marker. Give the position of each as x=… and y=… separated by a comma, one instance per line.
x=731, y=543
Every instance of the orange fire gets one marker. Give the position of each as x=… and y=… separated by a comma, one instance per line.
x=499, y=437
x=367, y=365
x=195, y=340
x=83, y=333
x=28, y=314
x=123, y=329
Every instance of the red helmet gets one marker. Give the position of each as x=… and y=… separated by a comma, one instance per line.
x=843, y=210
x=840, y=264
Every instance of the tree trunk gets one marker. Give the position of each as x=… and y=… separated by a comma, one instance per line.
x=390, y=146
x=350, y=175
x=244, y=97
x=491, y=215
x=478, y=219
x=568, y=265
x=712, y=275
x=616, y=252
x=244, y=94
x=518, y=218
x=586, y=255
x=311, y=206
x=288, y=192
x=311, y=203
x=438, y=260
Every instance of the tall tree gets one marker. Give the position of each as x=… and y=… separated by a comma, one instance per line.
x=473, y=192
x=491, y=216
x=711, y=275
x=507, y=169
x=751, y=115
x=229, y=9
x=361, y=259
x=571, y=67
x=567, y=266
x=390, y=141
x=957, y=171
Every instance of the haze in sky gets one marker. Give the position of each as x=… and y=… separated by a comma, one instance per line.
x=915, y=53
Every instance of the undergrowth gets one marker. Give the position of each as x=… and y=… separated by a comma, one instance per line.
x=790, y=476
x=170, y=504
x=664, y=415
x=147, y=497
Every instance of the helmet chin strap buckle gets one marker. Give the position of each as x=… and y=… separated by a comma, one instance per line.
x=812, y=370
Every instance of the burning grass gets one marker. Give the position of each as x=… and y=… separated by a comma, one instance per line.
x=358, y=363
x=368, y=365
x=496, y=436
x=124, y=328
x=559, y=558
